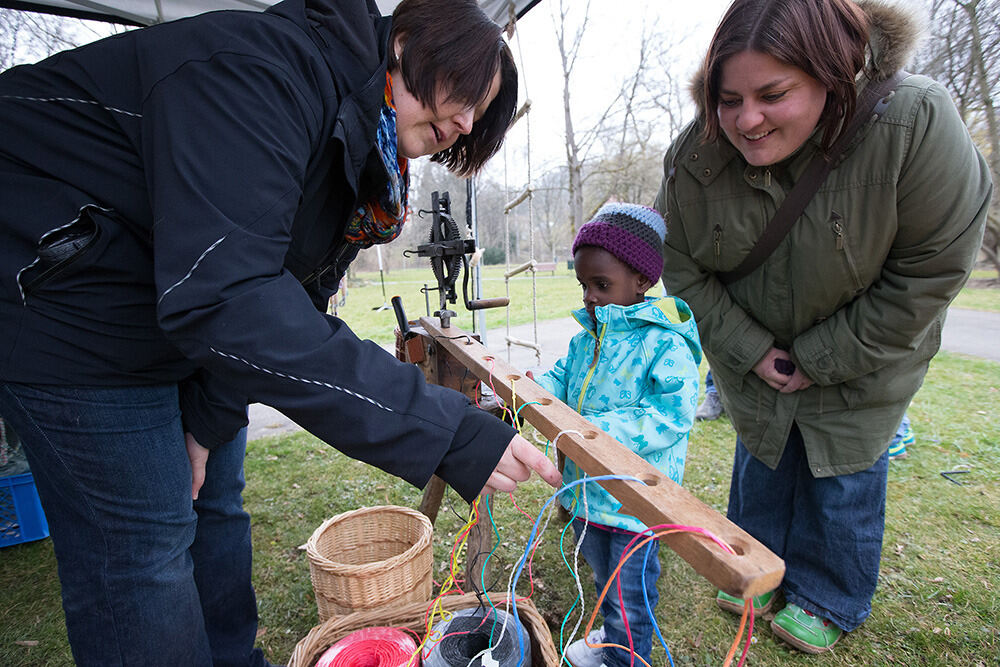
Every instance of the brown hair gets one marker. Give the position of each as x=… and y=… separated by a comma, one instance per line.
x=826, y=39
x=453, y=45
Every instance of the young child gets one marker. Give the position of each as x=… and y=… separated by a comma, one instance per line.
x=632, y=371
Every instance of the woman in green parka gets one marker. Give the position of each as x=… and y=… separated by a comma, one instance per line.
x=819, y=350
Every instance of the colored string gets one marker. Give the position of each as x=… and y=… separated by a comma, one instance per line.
x=664, y=529
x=436, y=608
x=534, y=539
x=575, y=570
x=649, y=608
x=534, y=531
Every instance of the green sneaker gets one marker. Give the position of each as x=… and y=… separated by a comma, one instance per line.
x=804, y=630
x=730, y=603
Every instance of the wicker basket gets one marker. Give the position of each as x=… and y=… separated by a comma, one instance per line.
x=370, y=558
x=323, y=636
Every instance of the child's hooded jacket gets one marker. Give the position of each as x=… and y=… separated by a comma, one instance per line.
x=642, y=390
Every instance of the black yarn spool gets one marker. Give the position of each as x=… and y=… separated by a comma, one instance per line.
x=474, y=637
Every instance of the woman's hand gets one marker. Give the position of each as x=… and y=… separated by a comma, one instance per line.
x=767, y=370
x=796, y=381
x=198, y=456
x=774, y=367
x=516, y=464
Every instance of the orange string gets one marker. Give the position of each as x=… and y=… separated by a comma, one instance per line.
x=607, y=586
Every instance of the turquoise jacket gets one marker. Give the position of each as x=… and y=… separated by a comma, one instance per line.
x=641, y=387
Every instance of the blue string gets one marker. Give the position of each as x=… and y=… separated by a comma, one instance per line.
x=577, y=599
x=531, y=539
x=517, y=413
x=486, y=561
x=645, y=597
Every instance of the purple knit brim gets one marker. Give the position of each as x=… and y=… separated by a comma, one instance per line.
x=625, y=246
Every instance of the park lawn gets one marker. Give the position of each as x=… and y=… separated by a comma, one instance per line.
x=978, y=298
x=936, y=603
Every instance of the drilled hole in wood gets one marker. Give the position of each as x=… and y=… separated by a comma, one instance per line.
x=545, y=401
x=590, y=435
x=649, y=480
x=513, y=377
x=488, y=358
x=738, y=548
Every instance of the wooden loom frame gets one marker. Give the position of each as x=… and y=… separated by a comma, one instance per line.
x=449, y=355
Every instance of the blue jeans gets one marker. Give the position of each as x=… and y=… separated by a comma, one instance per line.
x=603, y=548
x=829, y=530
x=148, y=576
x=710, y=383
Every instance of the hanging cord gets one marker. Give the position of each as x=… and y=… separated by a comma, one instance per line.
x=531, y=217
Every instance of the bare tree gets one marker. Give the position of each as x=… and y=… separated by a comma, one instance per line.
x=551, y=212
x=30, y=36
x=569, y=49
x=963, y=53
x=617, y=157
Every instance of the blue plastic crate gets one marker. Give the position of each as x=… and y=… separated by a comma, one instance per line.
x=21, y=516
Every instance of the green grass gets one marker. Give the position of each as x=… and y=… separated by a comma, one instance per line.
x=978, y=298
x=936, y=603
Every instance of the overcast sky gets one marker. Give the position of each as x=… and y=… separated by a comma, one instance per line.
x=608, y=56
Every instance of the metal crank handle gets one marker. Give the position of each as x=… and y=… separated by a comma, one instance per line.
x=482, y=304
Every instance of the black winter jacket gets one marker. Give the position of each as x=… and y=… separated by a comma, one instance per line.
x=173, y=205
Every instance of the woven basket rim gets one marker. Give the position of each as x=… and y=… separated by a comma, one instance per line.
x=322, y=562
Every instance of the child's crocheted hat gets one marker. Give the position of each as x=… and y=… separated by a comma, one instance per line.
x=632, y=233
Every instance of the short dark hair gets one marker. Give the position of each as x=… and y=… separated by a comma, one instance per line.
x=826, y=39
x=453, y=45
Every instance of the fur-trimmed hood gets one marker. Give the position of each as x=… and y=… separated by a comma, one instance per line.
x=895, y=35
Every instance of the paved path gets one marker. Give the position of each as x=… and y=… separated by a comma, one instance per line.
x=972, y=332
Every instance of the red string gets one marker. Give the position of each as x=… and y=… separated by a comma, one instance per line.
x=370, y=647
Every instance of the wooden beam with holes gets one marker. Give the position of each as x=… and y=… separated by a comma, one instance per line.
x=752, y=570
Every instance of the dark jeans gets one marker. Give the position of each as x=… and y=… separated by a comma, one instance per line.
x=829, y=530
x=148, y=577
x=710, y=383
x=603, y=548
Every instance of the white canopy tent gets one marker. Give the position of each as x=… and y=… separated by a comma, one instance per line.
x=148, y=12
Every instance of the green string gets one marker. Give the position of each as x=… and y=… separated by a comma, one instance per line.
x=482, y=572
x=562, y=552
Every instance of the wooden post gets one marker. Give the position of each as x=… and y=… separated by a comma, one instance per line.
x=444, y=369
x=753, y=569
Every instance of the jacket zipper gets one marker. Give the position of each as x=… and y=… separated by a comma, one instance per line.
x=319, y=273
x=717, y=242
x=838, y=232
x=590, y=371
x=767, y=177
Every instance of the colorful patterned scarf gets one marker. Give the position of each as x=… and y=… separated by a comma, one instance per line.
x=381, y=219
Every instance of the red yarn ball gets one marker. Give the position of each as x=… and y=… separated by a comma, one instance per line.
x=372, y=647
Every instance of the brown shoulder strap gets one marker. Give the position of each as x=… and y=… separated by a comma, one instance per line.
x=873, y=102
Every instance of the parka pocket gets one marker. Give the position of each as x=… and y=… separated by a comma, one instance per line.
x=59, y=250
x=843, y=247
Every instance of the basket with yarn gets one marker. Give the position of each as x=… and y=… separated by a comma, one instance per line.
x=412, y=617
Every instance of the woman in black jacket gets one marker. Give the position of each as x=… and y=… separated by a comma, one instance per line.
x=179, y=202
